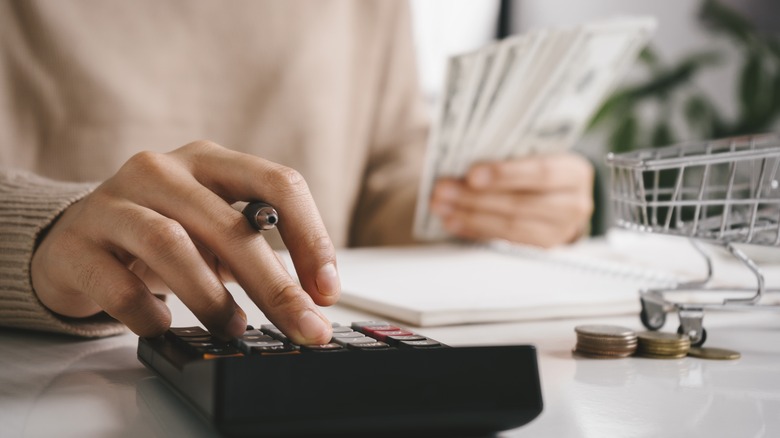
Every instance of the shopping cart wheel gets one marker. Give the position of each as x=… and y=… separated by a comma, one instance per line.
x=695, y=342
x=652, y=315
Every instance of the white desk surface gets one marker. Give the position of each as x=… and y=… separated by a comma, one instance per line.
x=56, y=386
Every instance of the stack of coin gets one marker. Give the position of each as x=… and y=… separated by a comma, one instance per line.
x=605, y=341
x=660, y=345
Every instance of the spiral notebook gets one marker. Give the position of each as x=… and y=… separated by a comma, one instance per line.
x=453, y=284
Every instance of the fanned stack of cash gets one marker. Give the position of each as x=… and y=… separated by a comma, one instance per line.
x=531, y=93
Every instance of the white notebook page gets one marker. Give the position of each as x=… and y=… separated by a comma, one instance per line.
x=450, y=284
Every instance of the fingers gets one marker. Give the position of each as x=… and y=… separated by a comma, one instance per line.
x=172, y=213
x=252, y=262
x=282, y=300
x=562, y=171
x=236, y=176
x=82, y=286
x=556, y=207
x=544, y=220
x=122, y=295
x=165, y=246
x=543, y=200
x=209, y=219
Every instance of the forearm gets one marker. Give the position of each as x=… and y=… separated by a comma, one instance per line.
x=28, y=205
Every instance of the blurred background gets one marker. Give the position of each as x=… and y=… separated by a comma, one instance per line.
x=712, y=69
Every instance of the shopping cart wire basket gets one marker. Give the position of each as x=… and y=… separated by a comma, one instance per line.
x=723, y=192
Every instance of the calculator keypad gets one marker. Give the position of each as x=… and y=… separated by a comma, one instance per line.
x=269, y=340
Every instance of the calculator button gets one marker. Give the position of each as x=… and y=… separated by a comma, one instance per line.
x=257, y=338
x=396, y=339
x=349, y=334
x=381, y=335
x=426, y=343
x=220, y=351
x=198, y=344
x=331, y=346
x=341, y=329
x=363, y=324
x=273, y=349
x=271, y=330
x=253, y=332
x=379, y=328
x=217, y=356
x=186, y=332
x=271, y=343
x=369, y=346
x=348, y=341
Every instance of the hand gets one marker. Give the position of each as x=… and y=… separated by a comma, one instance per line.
x=543, y=200
x=166, y=220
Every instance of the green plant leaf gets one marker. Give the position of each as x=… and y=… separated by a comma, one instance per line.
x=756, y=94
x=750, y=84
x=617, y=104
x=699, y=113
x=625, y=136
x=649, y=57
x=774, y=47
x=662, y=134
x=775, y=109
x=724, y=19
x=670, y=79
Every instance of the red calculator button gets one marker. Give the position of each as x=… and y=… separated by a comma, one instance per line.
x=381, y=335
x=379, y=328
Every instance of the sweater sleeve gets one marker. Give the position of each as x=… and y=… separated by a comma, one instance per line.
x=28, y=205
x=385, y=209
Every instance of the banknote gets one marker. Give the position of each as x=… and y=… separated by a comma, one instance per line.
x=528, y=94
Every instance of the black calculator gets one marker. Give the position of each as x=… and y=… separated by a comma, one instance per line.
x=372, y=379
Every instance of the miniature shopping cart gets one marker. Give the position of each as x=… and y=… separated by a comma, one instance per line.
x=723, y=192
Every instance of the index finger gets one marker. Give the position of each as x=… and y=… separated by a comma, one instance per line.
x=238, y=176
x=543, y=172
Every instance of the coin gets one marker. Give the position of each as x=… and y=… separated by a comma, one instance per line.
x=713, y=353
x=664, y=356
x=600, y=355
x=605, y=341
x=663, y=338
x=662, y=345
x=601, y=330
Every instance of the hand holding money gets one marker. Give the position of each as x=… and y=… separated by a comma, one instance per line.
x=511, y=104
x=542, y=200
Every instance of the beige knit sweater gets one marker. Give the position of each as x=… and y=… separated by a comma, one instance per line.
x=327, y=87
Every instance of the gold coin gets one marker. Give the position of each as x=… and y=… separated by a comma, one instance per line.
x=662, y=347
x=600, y=355
x=606, y=337
x=604, y=351
x=663, y=353
x=607, y=344
x=601, y=330
x=663, y=356
x=714, y=353
x=662, y=338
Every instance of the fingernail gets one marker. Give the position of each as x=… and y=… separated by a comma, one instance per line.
x=237, y=325
x=328, y=281
x=312, y=327
x=481, y=177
